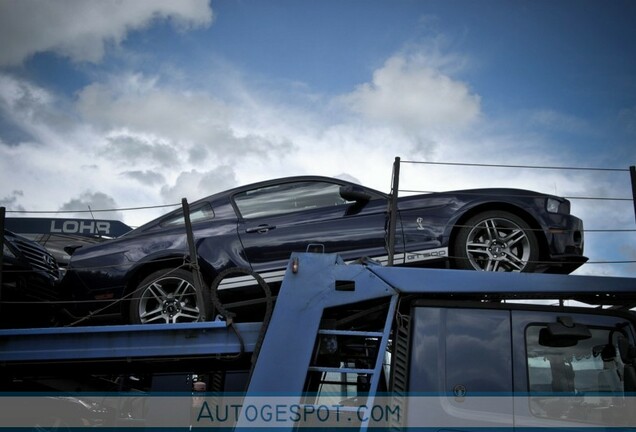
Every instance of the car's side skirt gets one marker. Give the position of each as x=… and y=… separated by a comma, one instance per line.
x=399, y=259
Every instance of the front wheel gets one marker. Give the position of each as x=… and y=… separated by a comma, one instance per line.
x=166, y=296
x=496, y=241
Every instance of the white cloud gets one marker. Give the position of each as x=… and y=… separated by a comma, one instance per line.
x=196, y=125
x=26, y=106
x=194, y=184
x=145, y=177
x=11, y=200
x=410, y=92
x=129, y=149
x=142, y=141
x=82, y=29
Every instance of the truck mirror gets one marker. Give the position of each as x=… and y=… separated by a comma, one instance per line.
x=563, y=333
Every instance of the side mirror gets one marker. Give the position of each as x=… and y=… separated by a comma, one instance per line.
x=354, y=193
x=563, y=333
x=71, y=249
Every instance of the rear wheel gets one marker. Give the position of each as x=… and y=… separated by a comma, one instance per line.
x=496, y=241
x=167, y=296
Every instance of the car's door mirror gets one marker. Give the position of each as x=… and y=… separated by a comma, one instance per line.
x=354, y=193
x=70, y=249
x=563, y=333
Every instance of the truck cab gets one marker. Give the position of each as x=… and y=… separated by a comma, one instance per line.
x=492, y=364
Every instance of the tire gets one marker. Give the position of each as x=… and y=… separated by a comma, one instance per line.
x=496, y=241
x=167, y=296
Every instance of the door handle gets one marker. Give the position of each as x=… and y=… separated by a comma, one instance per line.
x=260, y=229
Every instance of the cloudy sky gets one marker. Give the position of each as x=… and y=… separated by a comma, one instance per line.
x=120, y=104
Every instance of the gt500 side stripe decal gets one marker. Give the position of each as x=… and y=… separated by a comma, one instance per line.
x=426, y=255
x=277, y=275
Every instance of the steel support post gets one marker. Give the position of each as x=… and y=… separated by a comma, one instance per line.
x=199, y=285
x=393, y=211
x=2, y=215
x=632, y=174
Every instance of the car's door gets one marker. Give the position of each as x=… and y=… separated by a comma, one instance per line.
x=425, y=220
x=307, y=215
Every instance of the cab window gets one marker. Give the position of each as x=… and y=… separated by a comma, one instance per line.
x=590, y=369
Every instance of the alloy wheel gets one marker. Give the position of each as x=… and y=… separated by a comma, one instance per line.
x=168, y=300
x=498, y=244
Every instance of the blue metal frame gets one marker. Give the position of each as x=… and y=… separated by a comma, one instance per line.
x=125, y=341
x=507, y=285
x=304, y=295
x=295, y=322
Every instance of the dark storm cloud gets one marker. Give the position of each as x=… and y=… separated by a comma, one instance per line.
x=95, y=203
x=11, y=202
x=133, y=150
x=195, y=184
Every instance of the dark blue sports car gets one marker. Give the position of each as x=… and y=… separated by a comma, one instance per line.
x=30, y=276
x=258, y=226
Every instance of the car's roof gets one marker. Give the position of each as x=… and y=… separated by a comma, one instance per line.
x=281, y=180
x=261, y=184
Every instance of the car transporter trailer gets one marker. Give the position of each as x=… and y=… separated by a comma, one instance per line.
x=353, y=345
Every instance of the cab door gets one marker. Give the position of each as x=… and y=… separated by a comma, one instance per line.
x=460, y=368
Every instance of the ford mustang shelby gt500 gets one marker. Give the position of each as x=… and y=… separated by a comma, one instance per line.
x=258, y=226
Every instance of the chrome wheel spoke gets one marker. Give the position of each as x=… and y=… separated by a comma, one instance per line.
x=515, y=261
x=514, y=237
x=182, y=290
x=190, y=313
x=156, y=291
x=153, y=315
x=492, y=265
x=491, y=229
x=477, y=248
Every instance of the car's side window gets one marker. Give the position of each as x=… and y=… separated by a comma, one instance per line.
x=287, y=198
x=200, y=213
